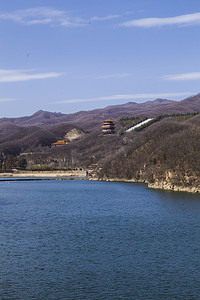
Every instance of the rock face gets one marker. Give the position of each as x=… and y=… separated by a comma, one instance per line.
x=74, y=134
x=171, y=187
x=175, y=182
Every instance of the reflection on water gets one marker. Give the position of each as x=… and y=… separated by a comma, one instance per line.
x=98, y=240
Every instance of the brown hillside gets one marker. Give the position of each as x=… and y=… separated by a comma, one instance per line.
x=89, y=120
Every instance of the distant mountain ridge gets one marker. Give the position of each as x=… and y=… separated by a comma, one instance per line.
x=91, y=119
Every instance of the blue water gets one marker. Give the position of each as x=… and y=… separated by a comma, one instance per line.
x=97, y=240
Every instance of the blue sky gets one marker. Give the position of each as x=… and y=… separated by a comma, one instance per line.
x=72, y=55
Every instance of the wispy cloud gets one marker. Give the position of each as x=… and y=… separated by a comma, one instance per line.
x=51, y=16
x=105, y=18
x=117, y=75
x=127, y=97
x=184, y=20
x=183, y=76
x=43, y=15
x=7, y=99
x=25, y=75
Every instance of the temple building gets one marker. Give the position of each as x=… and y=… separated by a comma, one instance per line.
x=59, y=143
x=108, y=127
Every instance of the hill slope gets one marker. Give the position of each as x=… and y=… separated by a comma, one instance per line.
x=91, y=119
x=165, y=155
x=15, y=139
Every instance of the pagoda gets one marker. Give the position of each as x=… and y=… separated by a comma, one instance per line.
x=108, y=127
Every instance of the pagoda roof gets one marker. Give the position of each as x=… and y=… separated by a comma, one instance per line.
x=108, y=120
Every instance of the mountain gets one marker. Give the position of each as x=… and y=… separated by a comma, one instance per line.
x=43, y=127
x=40, y=118
x=165, y=154
x=191, y=104
x=89, y=120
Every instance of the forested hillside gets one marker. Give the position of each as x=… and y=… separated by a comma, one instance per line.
x=165, y=153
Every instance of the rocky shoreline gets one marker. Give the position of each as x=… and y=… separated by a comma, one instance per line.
x=175, y=188
x=157, y=185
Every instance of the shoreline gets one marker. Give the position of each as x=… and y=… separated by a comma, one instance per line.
x=174, y=188
x=157, y=186
x=44, y=174
x=81, y=174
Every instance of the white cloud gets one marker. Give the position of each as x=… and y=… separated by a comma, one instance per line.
x=43, y=15
x=183, y=76
x=50, y=16
x=188, y=19
x=118, y=75
x=25, y=75
x=106, y=18
x=7, y=99
x=127, y=97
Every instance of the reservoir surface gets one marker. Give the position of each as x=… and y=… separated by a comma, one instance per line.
x=97, y=240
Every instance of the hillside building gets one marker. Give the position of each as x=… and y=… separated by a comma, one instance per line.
x=59, y=143
x=108, y=127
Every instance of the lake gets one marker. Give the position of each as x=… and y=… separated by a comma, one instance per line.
x=98, y=240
